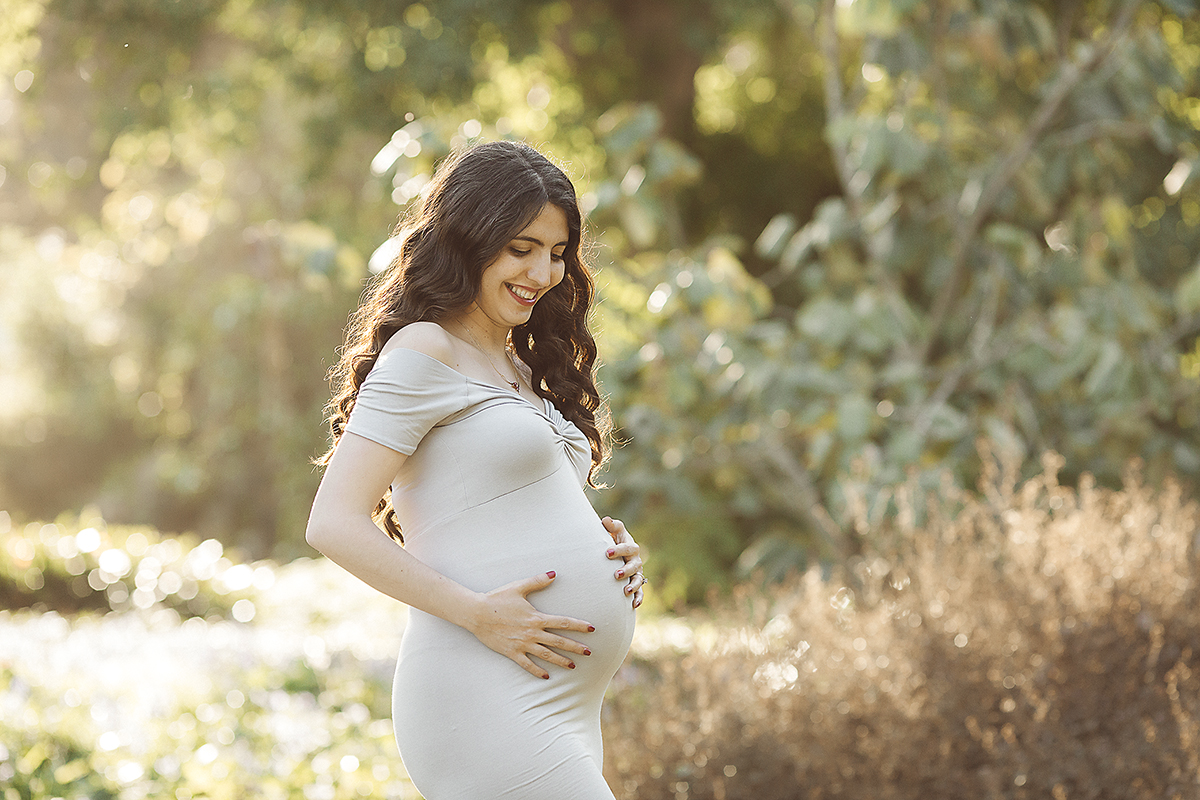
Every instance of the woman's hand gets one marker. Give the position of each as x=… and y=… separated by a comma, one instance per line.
x=509, y=624
x=627, y=550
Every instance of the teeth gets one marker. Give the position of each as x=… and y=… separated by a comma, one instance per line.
x=524, y=294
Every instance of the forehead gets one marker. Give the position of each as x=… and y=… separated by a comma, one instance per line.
x=549, y=227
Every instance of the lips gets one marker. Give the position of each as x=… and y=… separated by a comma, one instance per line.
x=523, y=295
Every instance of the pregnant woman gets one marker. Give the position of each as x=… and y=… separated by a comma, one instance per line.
x=466, y=399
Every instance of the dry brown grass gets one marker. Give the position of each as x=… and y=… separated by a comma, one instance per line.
x=1032, y=641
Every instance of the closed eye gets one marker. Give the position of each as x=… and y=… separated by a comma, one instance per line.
x=518, y=252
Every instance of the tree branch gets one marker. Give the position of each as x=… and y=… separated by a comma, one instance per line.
x=835, y=111
x=1069, y=77
x=835, y=108
x=1113, y=128
x=801, y=497
x=941, y=27
x=981, y=353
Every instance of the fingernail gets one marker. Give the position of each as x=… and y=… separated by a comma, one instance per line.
x=586, y=652
x=620, y=573
x=628, y=589
x=637, y=603
x=611, y=552
x=591, y=629
x=550, y=574
x=571, y=665
x=546, y=677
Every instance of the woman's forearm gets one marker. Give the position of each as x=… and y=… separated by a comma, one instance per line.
x=356, y=544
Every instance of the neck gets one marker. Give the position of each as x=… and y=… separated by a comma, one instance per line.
x=482, y=331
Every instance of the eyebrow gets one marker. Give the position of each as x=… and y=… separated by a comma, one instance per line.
x=536, y=241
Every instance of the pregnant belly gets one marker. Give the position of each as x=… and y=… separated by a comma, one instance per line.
x=546, y=526
x=455, y=702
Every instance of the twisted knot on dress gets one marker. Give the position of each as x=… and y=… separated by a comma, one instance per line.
x=575, y=443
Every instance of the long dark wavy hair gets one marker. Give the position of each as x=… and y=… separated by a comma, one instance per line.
x=479, y=199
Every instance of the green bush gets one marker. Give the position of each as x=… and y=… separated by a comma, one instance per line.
x=142, y=703
x=37, y=763
x=82, y=564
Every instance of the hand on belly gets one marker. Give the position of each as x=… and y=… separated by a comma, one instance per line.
x=509, y=624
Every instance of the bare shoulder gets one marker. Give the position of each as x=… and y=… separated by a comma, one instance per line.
x=424, y=337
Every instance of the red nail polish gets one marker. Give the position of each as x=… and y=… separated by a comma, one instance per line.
x=546, y=677
x=571, y=666
x=587, y=652
x=591, y=629
x=550, y=574
x=611, y=552
x=620, y=573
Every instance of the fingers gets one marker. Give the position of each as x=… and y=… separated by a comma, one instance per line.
x=615, y=528
x=631, y=567
x=625, y=550
x=636, y=582
x=546, y=654
x=567, y=624
x=531, y=585
x=513, y=627
x=570, y=645
x=544, y=622
x=633, y=561
x=543, y=651
x=526, y=663
x=636, y=586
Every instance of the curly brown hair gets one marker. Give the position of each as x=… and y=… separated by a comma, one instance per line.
x=479, y=199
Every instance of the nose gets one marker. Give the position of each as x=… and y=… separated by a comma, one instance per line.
x=541, y=270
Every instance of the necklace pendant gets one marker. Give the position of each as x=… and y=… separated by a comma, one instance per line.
x=516, y=386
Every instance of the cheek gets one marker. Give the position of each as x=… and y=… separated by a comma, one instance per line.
x=494, y=275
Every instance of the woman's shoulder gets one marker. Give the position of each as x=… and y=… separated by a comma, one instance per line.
x=427, y=338
x=413, y=361
x=409, y=389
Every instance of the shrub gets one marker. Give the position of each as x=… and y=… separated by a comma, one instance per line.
x=144, y=704
x=1031, y=641
x=82, y=564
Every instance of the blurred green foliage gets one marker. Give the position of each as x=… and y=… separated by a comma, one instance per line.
x=281, y=693
x=839, y=242
x=83, y=564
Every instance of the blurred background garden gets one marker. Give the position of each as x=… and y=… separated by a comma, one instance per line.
x=899, y=316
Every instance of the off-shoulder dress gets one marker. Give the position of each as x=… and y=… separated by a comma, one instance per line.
x=492, y=491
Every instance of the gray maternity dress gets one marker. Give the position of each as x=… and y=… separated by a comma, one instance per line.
x=492, y=492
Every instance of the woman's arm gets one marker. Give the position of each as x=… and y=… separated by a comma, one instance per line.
x=340, y=526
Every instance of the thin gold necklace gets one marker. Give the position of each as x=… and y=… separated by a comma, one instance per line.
x=514, y=384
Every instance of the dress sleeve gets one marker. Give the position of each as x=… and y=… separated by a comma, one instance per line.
x=404, y=396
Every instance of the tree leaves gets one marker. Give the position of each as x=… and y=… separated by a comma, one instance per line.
x=826, y=250
x=951, y=294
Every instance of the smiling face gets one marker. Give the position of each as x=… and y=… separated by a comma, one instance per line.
x=528, y=267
